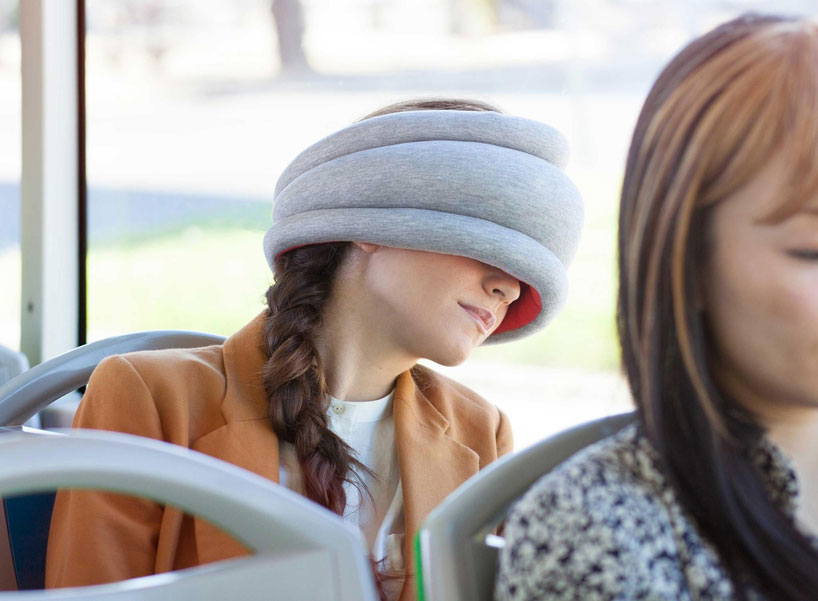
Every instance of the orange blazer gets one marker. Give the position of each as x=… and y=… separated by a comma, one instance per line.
x=212, y=400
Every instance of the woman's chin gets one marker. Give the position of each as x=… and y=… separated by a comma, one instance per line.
x=453, y=355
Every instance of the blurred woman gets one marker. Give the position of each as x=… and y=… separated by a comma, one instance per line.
x=713, y=493
x=422, y=231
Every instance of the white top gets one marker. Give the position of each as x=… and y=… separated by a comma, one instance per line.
x=369, y=429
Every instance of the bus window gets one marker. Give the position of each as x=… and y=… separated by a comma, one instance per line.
x=195, y=106
x=10, y=119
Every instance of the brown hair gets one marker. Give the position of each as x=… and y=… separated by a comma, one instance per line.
x=724, y=107
x=434, y=104
x=293, y=374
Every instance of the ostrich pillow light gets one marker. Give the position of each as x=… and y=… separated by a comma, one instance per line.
x=482, y=185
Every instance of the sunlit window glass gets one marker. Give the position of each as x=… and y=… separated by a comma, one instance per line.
x=195, y=107
x=10, y=152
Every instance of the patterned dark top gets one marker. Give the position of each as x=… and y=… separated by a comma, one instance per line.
x=606, y=526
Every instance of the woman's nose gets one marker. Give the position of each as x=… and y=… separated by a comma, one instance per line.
x=499, y=283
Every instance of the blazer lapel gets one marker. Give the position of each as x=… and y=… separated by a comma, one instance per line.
x=247, y=439
x=431, y=463
x=249, y=444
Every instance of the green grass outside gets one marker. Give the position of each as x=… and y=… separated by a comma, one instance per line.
x=197, y=278
x=212, y=277
x=214, y=280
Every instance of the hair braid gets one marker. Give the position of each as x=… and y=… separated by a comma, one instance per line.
x=293, y=376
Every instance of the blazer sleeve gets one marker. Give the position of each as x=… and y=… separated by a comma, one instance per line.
x=104, y=537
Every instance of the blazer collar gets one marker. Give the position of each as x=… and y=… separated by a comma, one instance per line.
x=244, y=359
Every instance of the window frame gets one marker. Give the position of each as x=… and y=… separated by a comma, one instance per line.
x=52, y=182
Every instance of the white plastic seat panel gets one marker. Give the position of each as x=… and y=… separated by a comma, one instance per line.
x=303, y=550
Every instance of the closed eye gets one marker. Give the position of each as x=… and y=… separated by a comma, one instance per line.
x=804, y=254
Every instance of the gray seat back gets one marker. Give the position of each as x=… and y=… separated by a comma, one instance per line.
x=456, y=554
x=303, y=551
x=28, y=393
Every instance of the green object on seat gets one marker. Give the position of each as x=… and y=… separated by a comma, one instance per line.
x=418, y=567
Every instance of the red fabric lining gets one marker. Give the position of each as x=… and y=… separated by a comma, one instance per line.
x=522, y=311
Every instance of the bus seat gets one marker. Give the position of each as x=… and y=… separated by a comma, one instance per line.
x=24, y=523
x=294, y=539
x=28, y=393
x=24, y=399
x=59, y=414
x=455, y=552
x=28, y=518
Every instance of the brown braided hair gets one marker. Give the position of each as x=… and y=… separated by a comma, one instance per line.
x=293, y=374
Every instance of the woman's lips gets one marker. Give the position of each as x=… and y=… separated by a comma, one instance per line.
x=485, y=319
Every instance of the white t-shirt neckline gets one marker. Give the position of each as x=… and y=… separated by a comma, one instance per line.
x=361, y=411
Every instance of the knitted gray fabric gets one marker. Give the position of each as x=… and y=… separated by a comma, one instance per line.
x=477, y=184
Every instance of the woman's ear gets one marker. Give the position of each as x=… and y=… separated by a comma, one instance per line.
x=367, y=247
